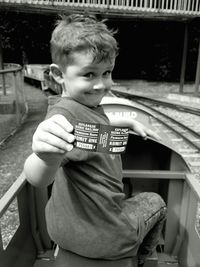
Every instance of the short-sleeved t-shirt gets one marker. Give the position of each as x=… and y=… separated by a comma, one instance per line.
x=86, y=213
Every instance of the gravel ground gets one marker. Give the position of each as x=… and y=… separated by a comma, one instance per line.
x=16, y=149
x=154, y=88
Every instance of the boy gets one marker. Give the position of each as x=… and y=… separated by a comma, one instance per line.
x=88, y=213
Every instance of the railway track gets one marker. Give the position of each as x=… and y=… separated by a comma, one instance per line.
x=180, y=123
x=178, y=105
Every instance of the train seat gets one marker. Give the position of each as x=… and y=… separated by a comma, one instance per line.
x=69, y=259
x=74, y=260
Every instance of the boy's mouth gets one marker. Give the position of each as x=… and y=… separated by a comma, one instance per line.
x=98, y=92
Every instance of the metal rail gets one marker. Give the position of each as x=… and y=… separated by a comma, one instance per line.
x=175, y=122
x=181, y=107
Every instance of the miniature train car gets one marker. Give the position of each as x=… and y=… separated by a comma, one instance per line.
x=40, y=73
x=148, y=165
x=35, y=72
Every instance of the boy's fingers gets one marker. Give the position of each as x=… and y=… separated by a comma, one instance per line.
x=47, y=139
x=153, y=134
x=63, y=122
x=57, y=130
x=145, y=132
x=42, y=147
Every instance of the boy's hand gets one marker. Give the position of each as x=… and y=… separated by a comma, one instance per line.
x=143, y=131
x=134, y=125
x=53, y=138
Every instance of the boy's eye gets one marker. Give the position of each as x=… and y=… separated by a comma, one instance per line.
x=89, y=75
x=107, y=73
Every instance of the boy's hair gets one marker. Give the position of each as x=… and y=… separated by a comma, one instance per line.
x=76, y=33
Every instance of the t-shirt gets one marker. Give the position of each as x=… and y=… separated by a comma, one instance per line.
x=86, y=213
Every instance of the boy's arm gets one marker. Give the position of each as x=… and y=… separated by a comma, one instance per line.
x=134, y=125
x=51, y=141
x=38, y=172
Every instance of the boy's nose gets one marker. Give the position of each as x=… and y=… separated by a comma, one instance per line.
x=100, y=85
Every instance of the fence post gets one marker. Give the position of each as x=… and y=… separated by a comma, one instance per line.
x=16, y=85
x=2, y=67
x=184, y=58
x=197, y=79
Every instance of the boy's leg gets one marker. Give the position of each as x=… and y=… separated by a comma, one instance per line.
x=151, y=209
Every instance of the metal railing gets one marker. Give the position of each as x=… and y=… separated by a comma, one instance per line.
x=178, y=7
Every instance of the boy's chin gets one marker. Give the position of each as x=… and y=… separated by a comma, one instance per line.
x=93, y=102
x=90, y=104
x=93, y=105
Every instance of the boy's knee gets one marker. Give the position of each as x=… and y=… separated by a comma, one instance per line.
x=157, y=198
x=156, y=201
x=157, y=212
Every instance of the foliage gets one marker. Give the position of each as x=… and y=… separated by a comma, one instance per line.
x=25, y=37
x=150, y=50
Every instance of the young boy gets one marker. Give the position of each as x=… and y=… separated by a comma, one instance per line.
x=88, y=213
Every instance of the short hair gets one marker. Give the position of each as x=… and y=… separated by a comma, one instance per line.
x=76, y=33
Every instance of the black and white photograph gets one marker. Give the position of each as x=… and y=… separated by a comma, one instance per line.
x=99, y=133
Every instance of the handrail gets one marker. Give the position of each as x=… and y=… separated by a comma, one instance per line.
x=14, y=68
x=154, y=174
x=9, y=68
x=12, y=192
x=177, y=7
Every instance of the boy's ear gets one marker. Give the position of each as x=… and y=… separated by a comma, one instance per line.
x=56, y=73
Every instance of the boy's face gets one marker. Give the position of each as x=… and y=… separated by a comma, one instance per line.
x=87, y=81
